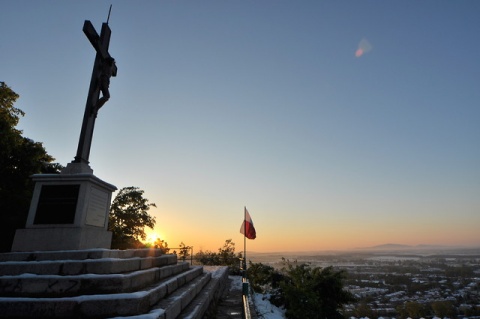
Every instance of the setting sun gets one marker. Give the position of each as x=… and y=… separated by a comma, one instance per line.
x=152, y=237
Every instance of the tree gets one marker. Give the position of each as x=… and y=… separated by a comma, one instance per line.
x=184, y=251
x=314, y=292
x=443, y=309
x=161, y=244
x=225, y=257
x=129, y=217
x=305, y=292
x=227, y=253
x=363, y=310
x=267, y=280
x=20, y=157
x=412, y=309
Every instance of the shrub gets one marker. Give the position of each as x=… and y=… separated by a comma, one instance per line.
x=304, y=291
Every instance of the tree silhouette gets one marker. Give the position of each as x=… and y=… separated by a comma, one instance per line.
x=129, y=217
x=20, y=157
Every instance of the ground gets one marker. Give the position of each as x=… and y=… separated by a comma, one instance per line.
x=231, y=304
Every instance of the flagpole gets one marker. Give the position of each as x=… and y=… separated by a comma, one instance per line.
x=244, y=242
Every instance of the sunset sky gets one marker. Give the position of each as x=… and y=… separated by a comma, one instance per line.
x=338, y=124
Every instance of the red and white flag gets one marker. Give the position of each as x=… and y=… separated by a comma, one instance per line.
x=247, y=228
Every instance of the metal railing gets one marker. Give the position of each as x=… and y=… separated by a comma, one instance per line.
x=246, y=299
x=181, y=252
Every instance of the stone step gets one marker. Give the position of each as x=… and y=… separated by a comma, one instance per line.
x=206, y=300
x=80, y=254
x=180, y=288
x=29, y=285
x=181, y=298
x=86, y=266
x=191, y=301
x=102, y=283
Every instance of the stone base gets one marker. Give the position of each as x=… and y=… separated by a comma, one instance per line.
x=77, y=168
x=67, y=212
x=61, y=238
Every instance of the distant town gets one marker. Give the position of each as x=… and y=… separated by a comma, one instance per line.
x=396, y=281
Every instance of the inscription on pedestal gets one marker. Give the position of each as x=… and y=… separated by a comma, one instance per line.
x=97, y=208
x=57, y=204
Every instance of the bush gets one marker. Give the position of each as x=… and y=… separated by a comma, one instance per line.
x=225, y=257
x=304, y=291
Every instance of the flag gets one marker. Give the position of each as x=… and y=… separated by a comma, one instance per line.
x=247, y=228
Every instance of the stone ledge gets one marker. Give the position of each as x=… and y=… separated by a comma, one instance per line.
x=172, y=307
x=108, y=305
x=29, y=285
x=79, y=254
x=95, y=288
x=178, y=301
x=209, y=295
x=87, y=266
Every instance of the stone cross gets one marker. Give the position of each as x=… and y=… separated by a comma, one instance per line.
x=103, y=68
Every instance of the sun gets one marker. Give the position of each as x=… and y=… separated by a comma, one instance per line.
x=152, y=238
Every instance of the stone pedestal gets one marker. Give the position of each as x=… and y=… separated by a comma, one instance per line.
x=69, y=211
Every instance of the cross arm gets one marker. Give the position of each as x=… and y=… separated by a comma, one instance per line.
x=94, y=39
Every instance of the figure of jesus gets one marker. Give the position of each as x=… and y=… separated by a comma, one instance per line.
x=107, y=70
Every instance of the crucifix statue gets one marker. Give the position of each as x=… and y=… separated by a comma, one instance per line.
x=103, y=68
x=75, y=204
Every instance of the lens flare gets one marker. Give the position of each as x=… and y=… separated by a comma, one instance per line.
x=363, y=47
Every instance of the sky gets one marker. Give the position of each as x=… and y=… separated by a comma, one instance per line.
x=338, y=124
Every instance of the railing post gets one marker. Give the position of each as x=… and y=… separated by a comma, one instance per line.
x=245, y=299
x=245, y=289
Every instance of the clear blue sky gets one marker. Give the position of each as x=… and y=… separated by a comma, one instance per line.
x=224, y=104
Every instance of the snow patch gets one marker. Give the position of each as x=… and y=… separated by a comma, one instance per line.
x=265, y=309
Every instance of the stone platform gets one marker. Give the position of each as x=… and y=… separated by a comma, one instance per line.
x=103, y=283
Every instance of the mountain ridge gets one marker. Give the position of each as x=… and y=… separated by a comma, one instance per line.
x=393, y=246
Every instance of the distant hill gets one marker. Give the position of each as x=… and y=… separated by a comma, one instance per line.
x=403, y=247
x=391, y=246
x=385, y=249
